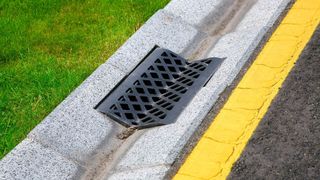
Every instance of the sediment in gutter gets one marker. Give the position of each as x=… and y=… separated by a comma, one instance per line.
x=225, y=23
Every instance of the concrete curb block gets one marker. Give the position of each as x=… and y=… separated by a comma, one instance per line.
x=162, y=29
x=30, y=160
x=198, y=13
x=156, y=172
x=74, y=128
x=263, y=14
x=70, y=138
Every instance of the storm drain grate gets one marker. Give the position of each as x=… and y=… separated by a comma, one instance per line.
x=157, y=91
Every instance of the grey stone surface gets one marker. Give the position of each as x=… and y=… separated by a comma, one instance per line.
x=162, y=29
x=154, y=173
x=196, y=12
x=236, y=55
x=263, y=14
x=75, y=129
x=30, y=160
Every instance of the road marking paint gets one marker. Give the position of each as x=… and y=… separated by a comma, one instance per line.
x=227, y=136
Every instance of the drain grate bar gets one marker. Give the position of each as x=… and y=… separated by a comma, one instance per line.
x=158, y=90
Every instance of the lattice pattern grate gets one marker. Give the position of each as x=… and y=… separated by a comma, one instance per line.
x=156, y=92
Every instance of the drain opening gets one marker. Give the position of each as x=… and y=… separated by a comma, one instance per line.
x=156, y=92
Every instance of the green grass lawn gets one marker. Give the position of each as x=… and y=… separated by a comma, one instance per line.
x=47, y=48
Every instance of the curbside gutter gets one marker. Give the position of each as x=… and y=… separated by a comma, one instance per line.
x=76, y=141
x=161, y=146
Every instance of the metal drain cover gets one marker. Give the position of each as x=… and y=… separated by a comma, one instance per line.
x=157, y=90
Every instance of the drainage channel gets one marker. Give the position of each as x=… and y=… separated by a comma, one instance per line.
x=225, y=21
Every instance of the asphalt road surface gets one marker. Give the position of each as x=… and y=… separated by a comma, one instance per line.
x=286, y=144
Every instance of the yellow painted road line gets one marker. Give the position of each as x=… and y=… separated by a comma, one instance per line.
x=227, y=136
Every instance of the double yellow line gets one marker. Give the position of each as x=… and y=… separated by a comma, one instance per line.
x=227, y=136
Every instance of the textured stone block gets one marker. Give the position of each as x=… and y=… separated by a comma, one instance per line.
x=162, y=29
x=75, y=129
x=154, y=173
x=262, y=14
x=198, y=13
x=30, y=160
